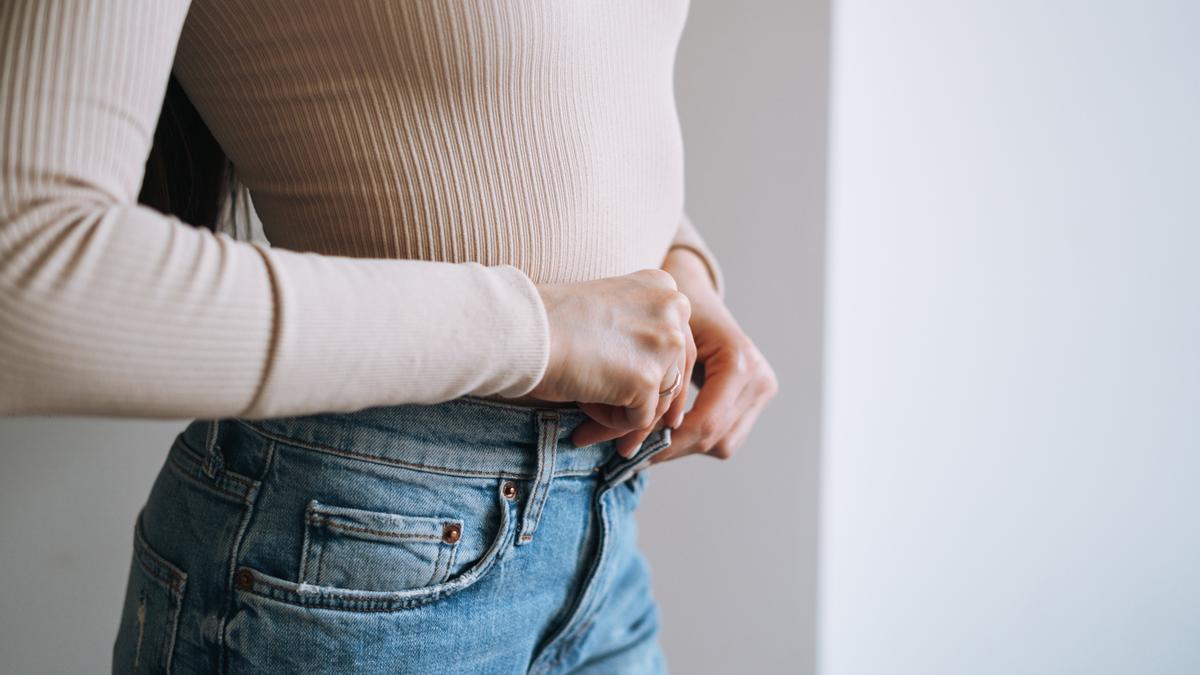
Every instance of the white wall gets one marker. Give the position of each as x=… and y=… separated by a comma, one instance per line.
x=1012, y=467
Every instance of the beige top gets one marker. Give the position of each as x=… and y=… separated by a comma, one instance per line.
x=417, y=166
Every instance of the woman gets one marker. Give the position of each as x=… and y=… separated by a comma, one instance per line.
x=422, y=413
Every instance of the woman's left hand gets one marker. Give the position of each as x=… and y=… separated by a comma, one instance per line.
x=738, y=381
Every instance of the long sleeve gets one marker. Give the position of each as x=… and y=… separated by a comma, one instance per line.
x=687, y=236
x=111, y=308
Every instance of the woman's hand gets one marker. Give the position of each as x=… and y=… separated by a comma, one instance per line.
x=615, y=344
x=738, y=381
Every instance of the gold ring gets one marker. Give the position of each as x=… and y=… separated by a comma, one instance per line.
x=674, y=385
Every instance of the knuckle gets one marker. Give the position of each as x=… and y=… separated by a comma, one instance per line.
x=647, y=381
x=681, y=305
x=740, y=362
x=659, y=277
x=722, y=450
x=770, y=383
x=768, y=389
x=634, y=395
x=673, y=340
x=643, y=417
x=665, y=306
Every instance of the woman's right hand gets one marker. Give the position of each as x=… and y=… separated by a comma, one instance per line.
x=615, y=344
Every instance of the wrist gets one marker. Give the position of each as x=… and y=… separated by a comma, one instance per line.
x=691, y=275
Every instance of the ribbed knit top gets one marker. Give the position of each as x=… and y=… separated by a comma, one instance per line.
x=417, y=167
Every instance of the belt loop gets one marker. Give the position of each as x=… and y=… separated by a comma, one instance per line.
x=214, y=460
x=547, y=447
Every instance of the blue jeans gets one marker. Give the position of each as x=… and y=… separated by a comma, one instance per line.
x=465, y=537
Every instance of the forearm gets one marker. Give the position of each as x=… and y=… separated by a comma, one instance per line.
x=111, y=308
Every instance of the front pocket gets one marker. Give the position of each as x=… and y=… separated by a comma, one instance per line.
x=150, y=617
x=376, y=551
x=487, y=545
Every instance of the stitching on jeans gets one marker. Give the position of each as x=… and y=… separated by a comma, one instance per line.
x=450, y=563
x=568, y=637
x=437, y=568
x=326, y=522
x=445, y=470
x=474, y=400
x=186, y=474
x=552, y=452
x=154, y=564
x=195, y=458
x=320, y=563
x=317, y=447
x=235, y=550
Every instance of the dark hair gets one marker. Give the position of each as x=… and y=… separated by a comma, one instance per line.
x=187, y=173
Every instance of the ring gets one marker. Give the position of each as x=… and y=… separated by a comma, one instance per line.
x=674, y=385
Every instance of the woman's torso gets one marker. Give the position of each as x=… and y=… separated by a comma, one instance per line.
x=538, y=134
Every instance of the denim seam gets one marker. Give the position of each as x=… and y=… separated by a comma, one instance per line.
x=147, y=556
x=553, y=453
x=448, y=471
x=474, y=400
x=437, y=568
x=560, y=643
x=234, y=553
x=321, y=564
x=185, y=472
x=156, y=566
x=194, y=468
x=450, y=563
x=306, y=546
x=547, y=449
x=328, y=523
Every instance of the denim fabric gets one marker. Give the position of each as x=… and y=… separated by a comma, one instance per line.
x=465, y=537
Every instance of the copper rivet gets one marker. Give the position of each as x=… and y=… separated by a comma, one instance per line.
x=245, y=579
x=510, y=490
x=451, y=532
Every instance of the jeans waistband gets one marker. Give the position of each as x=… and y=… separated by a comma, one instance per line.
x=466, y=436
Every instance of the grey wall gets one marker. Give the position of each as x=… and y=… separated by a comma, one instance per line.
x=1013, y=444
x=732, y=543
x=69, y=490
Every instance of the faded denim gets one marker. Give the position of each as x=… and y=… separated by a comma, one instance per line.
x=465, y=537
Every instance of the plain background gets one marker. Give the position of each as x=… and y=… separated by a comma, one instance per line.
x=732, y=544
x=1012, y=459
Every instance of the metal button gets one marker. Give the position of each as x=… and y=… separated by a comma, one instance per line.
x=245, y=579
x=509, y=490
x=451, y=532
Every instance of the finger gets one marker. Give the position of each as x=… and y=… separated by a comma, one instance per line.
x=591, y=431
x=674, y=415
x=606, y=423
x=744, y=402
x=712, y=416
x=672, y=382
x=727, y=446
x=628, y=444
